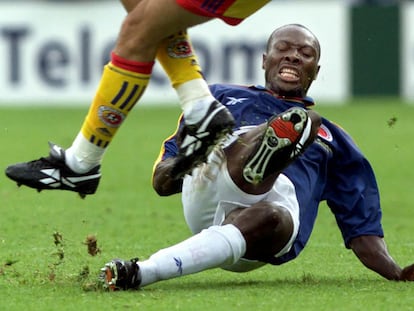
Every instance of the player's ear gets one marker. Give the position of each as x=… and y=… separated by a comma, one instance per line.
x=263, y=60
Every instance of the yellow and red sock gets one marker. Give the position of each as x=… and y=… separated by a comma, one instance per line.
x=176, y=55
x=179, y=61
x=122, y=84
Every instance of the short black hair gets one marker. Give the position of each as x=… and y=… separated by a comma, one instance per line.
x=295, y=25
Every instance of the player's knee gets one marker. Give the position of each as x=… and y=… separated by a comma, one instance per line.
x=266, y=227
x=259, y=215
x=275, y=219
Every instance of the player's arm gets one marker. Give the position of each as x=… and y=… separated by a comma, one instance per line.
x=162, y=182
x=373, y=253
x=354, y=199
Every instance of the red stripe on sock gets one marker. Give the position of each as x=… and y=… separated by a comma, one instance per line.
x=130, y=65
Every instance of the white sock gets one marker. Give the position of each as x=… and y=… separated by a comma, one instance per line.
x=211, y=248
x=195, y=99
x=83, y=156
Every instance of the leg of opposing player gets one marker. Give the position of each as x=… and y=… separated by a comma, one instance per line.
x=123, y=82
x=206, y=120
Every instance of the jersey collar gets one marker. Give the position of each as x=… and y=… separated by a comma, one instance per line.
x=306, y=101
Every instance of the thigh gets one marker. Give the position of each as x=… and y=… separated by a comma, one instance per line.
x=148, y=23
x=270, y=226
x=200, y=195
x=209, y=194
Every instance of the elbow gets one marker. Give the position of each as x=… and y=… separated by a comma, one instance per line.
x=166, y=186
x=162, y=182
x=160, y=190
x=157, y=185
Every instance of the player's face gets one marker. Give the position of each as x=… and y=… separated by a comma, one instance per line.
x=291, y=61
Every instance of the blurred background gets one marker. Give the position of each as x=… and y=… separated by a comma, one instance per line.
x=53, y=51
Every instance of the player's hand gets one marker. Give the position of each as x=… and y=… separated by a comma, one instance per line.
x=407, y=274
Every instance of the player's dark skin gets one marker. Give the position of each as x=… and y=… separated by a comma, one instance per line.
x=266, y=227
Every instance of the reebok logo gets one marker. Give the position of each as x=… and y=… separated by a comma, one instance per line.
x=234, y=101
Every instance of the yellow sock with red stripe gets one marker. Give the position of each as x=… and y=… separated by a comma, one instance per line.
x=177, y=58
x=179, y=61
x=122, y=84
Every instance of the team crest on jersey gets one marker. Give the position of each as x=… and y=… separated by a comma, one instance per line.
x=110, y=117
x=325, y=133
x=180, y=48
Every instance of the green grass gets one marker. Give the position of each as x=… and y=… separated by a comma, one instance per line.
x=130, y=220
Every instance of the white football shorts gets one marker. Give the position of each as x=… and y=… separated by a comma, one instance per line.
x=210, y=194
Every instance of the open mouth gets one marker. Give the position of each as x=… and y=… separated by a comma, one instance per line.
x=289, y=74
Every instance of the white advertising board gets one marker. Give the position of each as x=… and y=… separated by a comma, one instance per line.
x=407, y=51
x=53, y=53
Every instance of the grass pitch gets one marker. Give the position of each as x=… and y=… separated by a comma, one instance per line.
x=44, y=261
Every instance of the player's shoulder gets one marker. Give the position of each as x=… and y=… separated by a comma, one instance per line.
x=333, y=127
x=228, y=87
x=335, y=134
x=230, y=94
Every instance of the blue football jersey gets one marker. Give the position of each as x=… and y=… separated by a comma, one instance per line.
x=332, y=169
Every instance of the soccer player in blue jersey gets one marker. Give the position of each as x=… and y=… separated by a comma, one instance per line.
x=153, y=29
x=256, y=199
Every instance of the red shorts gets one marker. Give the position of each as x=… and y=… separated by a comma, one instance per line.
x=232, y=12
